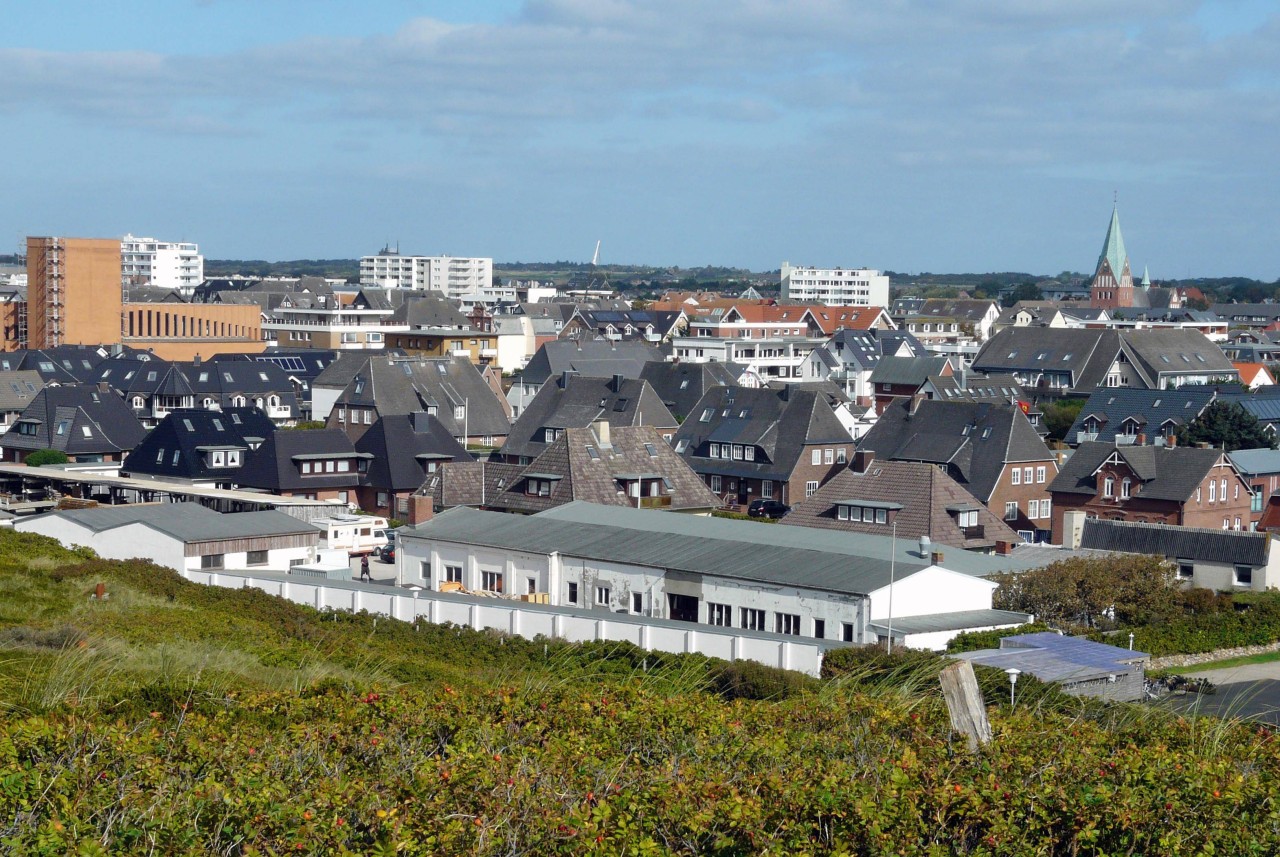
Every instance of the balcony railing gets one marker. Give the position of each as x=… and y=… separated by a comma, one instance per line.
x=977, y=531
x=654, y=502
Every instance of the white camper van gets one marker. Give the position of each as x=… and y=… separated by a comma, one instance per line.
x=356, y=534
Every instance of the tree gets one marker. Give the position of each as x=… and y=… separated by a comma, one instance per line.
x=1227, y=425
x=1133, y=589
x=46, y=456
x=1060, y=416
x=1023, y=292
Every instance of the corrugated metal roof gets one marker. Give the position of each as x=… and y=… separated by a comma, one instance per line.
x=957, y=621
x=1254, y=461
x=1226, y=546
x=188, y=522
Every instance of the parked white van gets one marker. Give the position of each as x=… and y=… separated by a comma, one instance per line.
x=356, y=534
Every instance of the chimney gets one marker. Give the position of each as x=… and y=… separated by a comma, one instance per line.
x=1073, y=528
x=196, y=360
x=601, y=430
x=418, y=421
x=1141, y=440
x=1202, y=445
x=937, y=557
x=914, y=404
x=420, y=509
x=1004, y=548
x=564, y=379
x=1171, y=441
x=616, y=385
x=862, y=459
x=104, y=387
x=785, y=393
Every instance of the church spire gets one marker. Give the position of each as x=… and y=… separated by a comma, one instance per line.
x=1146, y=278
x=1113, y=251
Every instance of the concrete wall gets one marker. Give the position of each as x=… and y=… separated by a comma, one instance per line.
x=932, y=590
x=531, y=620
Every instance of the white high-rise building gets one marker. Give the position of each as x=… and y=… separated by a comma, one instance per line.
x=452, y=276
x=169, y=265
x=835, y=286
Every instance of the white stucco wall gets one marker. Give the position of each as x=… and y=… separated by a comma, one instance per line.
x=932, y=590
x=127, y=542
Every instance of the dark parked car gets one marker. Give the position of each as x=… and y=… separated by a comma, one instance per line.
x=767, y=509
x=387, y=553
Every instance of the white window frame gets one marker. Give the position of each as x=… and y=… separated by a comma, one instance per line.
x=1015, y=476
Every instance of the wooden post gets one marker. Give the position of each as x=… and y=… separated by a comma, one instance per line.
x=964, y=703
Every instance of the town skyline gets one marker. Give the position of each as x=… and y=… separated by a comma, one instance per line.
x=897, y=138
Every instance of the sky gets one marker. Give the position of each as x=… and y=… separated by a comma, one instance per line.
x=905, y=135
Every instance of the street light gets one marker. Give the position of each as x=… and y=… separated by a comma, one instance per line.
x=1013, y=673
x=1131, y=641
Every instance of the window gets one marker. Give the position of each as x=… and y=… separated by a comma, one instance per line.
x=720, y=615
x=491, y=581
x=841, y=456
x=1109, y=488
x=211, y=560
x=715, y=483
x=846, y=632
x=842, y=513
x=573, y=593
x=1244, y=575
x=820, y=629
x=1026, y=475
x=1045, y=509
x=816, y=457
x=714, y=450
x=550, y=435
x=256, y=558
x=828, y=456
x=752, y=619
x=766, y=489
x=1015, y=476
x=1185, y=570
x=786, y=623
x=1011, y=511
x=706, y=415
x=810, y=488
x=1040, y=471
x=1033, y=509
x=603, y=595
x=1213, y=491
x=1223, y=492
x=1255, y=503
x=749, y=453
x=1125, y=484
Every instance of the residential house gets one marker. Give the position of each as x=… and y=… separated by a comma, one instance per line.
x=577, y=402
x=183, y=536
x=1185, y=486
x=465, y=398
x=588, y=358
x=681, y=386
x=17, y=389
x=990, y=448
x=1048, y=360
x=949, y=320
x=1252, y=345
x=1247, y=315
x=1261, y=469
x=1124, y=416
x=199, y=447
x=1034, y=314
x=653, y=326
x=1254, y=375
x=913, y=500
x=318, y=464
x=629, y=466
x=301, y=366
x=750, y=444
x=895, y=378
x=402, y=451
x=850, y=356
x=85, y=423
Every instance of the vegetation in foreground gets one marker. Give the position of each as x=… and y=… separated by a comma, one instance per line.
x=178, y=719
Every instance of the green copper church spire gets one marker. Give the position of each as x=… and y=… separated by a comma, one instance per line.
x=1113, y=247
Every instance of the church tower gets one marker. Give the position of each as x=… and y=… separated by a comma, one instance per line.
x=1112, y=281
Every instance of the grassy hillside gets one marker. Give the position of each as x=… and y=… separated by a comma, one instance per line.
x=176, y=719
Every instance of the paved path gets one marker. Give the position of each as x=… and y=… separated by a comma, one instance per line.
x=1249, y=690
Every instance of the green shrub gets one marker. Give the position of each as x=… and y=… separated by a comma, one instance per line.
x=45, y=456
x=972, y=641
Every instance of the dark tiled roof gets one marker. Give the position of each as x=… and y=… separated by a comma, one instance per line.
x=78, y=421
x=397, y=442
x=578, y=404
x=272, y=466
x=469, y=483
x=973, y=439
x=595, y=478
x=18, y=388
x=1194, y=543
x=681, y=385
x=590, y=358
x=1111, y=406
x=1086, y=353
x=907, y=370
x=1167, y=473
x=172, y=450
x=970, y=310
x=925, y=493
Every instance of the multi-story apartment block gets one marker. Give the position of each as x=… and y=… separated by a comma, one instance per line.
x=835, y=286
x=169, y=265
x=453, y=276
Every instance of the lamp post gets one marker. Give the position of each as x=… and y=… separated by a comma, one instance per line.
x=1013, y=673
x=1131, y=641
x=893, y=554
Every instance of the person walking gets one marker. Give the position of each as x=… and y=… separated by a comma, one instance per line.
x=364, y=568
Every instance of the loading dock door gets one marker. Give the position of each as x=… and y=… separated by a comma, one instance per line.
x=682, y=608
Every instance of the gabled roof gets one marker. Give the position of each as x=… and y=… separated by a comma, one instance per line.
x=577, y=402
x=1111, y=406
x=927, y=495
x=175, y=449
x=77, y=421
x=1167, y=473
x=1085, y=353
x=973, y=439
x=591, y=471
x=430, y=311
x=399, y=446
x=188, y=522
x=971, y=309
x=864, y=349
x=681, y=385
x=65, y=364
x=1256, y=462
x=589, y=358
x=907, y=370
x=469, y=483
x=17, y=388
x=779, y=423
x=273, y=466
x=1190, y=543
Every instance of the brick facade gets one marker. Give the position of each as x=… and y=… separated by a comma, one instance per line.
x=1030, y=496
